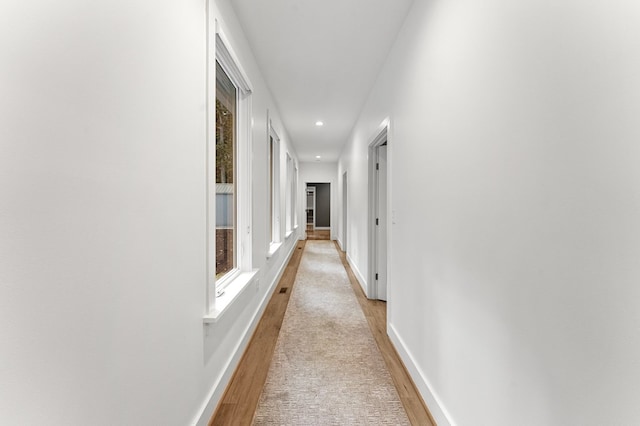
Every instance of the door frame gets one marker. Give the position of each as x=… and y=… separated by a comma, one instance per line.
x=345, y=199
x=332, y=206
x=381, y=137
x=308, y=189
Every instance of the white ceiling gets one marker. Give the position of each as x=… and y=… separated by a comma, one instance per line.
x=320, y=59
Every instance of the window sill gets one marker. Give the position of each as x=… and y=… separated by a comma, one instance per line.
x=231, y=292
x=273, y=248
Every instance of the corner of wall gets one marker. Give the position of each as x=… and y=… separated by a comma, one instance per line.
x=358, y=274
x=434, y=404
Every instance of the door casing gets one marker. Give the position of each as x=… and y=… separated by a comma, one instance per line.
x=380, y=138
x=344, y=212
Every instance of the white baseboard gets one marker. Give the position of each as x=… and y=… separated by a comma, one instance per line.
x=216, y=393
x=436, y=408
x=340, y=244
x=356, y=272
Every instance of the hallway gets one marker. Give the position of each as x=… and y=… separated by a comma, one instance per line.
x=155, y=165
x=321, y=373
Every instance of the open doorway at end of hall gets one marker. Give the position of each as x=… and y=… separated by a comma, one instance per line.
x=318, y=210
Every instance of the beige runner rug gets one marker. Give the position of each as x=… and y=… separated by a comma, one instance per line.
x=327, y=368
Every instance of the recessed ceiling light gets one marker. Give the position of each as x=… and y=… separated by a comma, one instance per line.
x=319, y=123
x=318, y=157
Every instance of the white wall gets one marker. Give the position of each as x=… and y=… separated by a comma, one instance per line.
x=103, y=214
x=319, y=172
x=513, y=292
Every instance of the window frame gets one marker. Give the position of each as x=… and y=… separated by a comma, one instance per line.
x=295, y=196
x=227, y=59
x=223, y=278
x=290, y=196
x=275, y=211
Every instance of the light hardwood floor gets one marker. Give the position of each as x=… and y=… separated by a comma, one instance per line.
x=317, y=234
x=239, y=402
x=376, y=313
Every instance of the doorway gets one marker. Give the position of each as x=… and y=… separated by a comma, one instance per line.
x=318, y=210
x=311, y=208
x=344, y=212
x=378, y=217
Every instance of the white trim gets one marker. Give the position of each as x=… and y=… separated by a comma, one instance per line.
x=332, y=206
x=357, y=273
x=289, y=199
x=431, y=399
x=307, y=190
x=225, y=56
x=226, y=280
x=229, y=61
x=231, y=292
x=273, y=168
x=345, y=211
x=296, y=179
x=273, y=249
x=381, y=135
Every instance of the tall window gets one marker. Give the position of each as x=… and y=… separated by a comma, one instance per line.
x=295, y=198
x=274, y=186
x=226, y=200
x=289, y=197
x=229, y=231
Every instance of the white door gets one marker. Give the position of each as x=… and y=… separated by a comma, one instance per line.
x=381, y=222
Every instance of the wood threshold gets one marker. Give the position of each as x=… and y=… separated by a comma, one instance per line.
x=238, y=404
x=319, y=234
